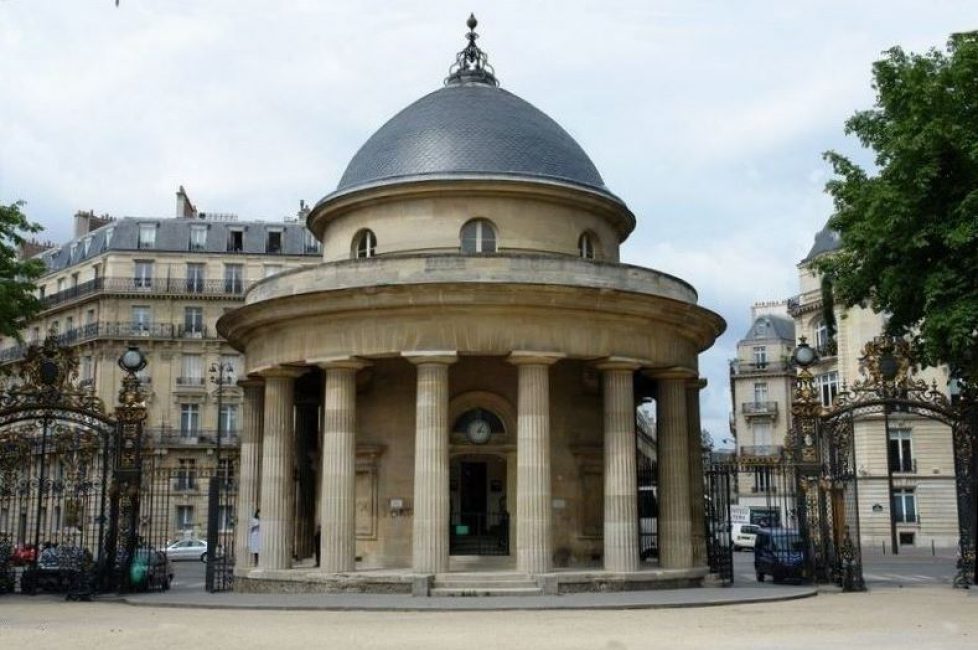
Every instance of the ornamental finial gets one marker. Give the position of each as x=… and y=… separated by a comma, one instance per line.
x=471, y=64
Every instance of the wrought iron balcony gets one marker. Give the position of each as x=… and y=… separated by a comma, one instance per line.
x=759, y=409
x=738, y=367
x=197, y=382
x=762, y=451
x=176, y=437
x=225, y=288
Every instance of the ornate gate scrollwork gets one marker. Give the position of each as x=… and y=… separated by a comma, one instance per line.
x=59, y=477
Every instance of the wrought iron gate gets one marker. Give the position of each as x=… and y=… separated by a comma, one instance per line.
x=68, y=505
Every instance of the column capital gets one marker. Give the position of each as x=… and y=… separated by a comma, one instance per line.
x=530, y=357
x=251, y=381
x=280, y=372
x=340, y=362
x=671, y=372
x=418, y=357
x=620, y=363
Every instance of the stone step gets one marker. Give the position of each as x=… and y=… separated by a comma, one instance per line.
x=483, y=577
x=483, y=591
x=484, y=584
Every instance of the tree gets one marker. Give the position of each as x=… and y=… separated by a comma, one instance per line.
x=706, y=440
x=18, y=304
x=909, y=233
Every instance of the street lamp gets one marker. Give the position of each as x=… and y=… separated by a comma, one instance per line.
x=221, y=374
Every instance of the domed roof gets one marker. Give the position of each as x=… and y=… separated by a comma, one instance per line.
x=471, y=128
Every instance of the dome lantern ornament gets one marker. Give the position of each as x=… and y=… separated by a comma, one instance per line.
x=471, y=64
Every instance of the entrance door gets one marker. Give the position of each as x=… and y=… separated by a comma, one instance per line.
x=473, y=496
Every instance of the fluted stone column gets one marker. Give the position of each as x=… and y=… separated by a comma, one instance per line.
x=696, y=504
x=249, y=481
x=278, y=461
x=675, y=524
x=534, y=534
x=431, y=499
x=339, y=466
x=621, y=552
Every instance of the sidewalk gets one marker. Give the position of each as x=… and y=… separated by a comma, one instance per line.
x=659, y=599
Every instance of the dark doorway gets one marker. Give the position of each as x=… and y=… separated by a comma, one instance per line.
x=473, y=494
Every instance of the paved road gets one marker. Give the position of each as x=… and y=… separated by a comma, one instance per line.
x=931, y=617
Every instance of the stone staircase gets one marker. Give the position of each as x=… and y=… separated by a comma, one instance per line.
x=497, y=583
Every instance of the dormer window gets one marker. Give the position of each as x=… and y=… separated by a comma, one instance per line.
x=364, y=244
x=198, y=238
x=760, y=330
x=585, y=246
x=478, y=236
x=147, y=235
x=273, y=241
x=235, y=240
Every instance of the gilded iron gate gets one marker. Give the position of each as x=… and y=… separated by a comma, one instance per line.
x=68, y=477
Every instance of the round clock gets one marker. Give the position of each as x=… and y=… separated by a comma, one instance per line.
x=478, y=431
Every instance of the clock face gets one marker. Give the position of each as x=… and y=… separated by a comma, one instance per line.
x=478, y=431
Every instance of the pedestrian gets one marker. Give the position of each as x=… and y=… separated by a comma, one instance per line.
x=254, y=536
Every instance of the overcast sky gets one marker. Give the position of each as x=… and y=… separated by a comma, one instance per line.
x=708, y=118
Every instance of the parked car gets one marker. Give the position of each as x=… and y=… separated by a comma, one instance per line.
x=187, y=549
x=58, y=569
x=780, y=553
x=743, y=536
x=150, y=570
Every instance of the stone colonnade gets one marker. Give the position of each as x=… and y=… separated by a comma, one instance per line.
x=267, y=473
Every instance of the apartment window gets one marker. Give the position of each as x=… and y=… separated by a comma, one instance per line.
x=142, y=319
x=273, y=241
x=192, y=370
x=364, y=244
x=478, y=236
x=35, y=334
x=225, y=469
x=233, y=278
x=193, y=321
x=86, y=246
x=762, y=433
x=40, y=291
x=195, y=278
x=187, y=474
x=225, y=518
x=904, y=506
x=227, y=420
x=189, y=420
x=760, y=330
x=762, y=480
x=87, y=370
x=310, y=243
x=108, y=236
x=821, y=336
x=272, y=269
x=185, y=517
x=96, y=271
x=585, y=246
x=760, y=392
x=147, y=235
x=828, y=387
x=143, y=274
x=72, y=251
x=198, y=238
x=760, y=356
x=61, y=285
x=901, y=451
x=90, y=317
x=74, y=280
x=235, y=240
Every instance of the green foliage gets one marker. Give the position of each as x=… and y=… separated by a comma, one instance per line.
x=909, y=233
x=17, y=301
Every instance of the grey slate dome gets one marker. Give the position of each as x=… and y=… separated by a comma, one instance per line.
x=471, y=128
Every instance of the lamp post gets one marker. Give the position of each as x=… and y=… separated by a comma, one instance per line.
x=221, y=373
x=889, y=366
x=127, y=472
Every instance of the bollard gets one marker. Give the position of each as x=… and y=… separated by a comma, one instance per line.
x=884, y=548
x=933, y=551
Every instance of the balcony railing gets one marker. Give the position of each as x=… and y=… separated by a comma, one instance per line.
x=768, y=409
x=228, y=287
x=738, y=367
x=764, y=451
x=175, y=437
x=190, y=381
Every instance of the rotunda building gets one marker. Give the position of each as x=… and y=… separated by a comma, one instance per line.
x=454, y=387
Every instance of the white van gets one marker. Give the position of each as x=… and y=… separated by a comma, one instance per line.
x=743, y=535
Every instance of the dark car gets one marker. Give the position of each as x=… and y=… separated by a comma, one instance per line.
x=780, y=553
